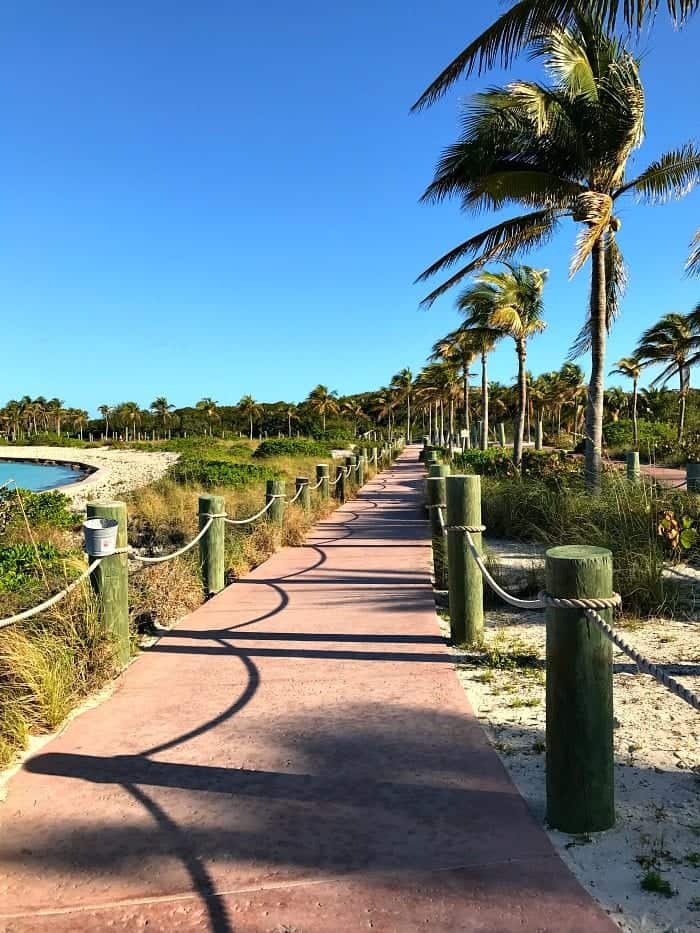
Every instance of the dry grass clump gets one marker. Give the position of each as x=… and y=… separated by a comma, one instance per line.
x=161, y=594
x=47, y=665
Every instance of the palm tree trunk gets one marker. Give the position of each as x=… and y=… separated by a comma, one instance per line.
x=595, y=402
x=519, y=427
x=484, y=404
x=635, y=427
x=408, y=426
x=467, y=425
x=681, y=400
x=451, y=429
x=251, y=427
x=430, y=422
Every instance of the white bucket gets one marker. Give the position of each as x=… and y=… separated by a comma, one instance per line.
x=100, y=536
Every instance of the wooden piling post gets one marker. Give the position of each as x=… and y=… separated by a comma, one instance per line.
x=538, y=434
x=211, y=546
x=350, y=480
x=340, y=483
x=633, y=471
x=304, y=500
x=502, y=434
x=466, y=588
x=692, y=476
x=110, y=580
x=361, y=460
x=436, y=495
x=275, y=491
x=580, y=763
x=322, y=474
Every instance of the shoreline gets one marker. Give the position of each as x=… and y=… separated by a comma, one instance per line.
x=108, y=473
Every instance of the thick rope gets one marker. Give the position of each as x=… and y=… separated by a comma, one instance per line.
x=159, y=560
x=589, y=606
x=299, y=492
x=318, y=483
x=42, y=607
x=252, y=518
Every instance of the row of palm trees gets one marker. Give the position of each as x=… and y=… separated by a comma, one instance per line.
x=27, y=416
x=560, y=149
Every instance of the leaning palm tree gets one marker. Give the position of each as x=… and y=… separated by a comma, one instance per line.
x=672, y=342
x=526, y=20
x=561, y=150
x=250, y=409
x=402, y=383
x=162, y=409
x=510, y=303
x=631, y=367
x=323, y=402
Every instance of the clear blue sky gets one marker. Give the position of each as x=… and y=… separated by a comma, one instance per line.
x=215, y=199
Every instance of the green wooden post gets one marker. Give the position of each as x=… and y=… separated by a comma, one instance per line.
x=304, y=500
x=431, y=456
x=110, y=580
x=211, y=546
x=538, y=434
x=692, y=476
x=633, y=471
x=350, y=480
x=580, y=762
x=274, y=490
x=322, y=474
x=340, y=483
x=466, y=588
x=361, y=471
x=502, y=434
x=437, y=496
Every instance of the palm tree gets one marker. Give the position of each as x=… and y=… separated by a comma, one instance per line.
x=131, y=413
x=208, y=407
x=250, y=409
x=631, y=367
x=56, y=411
x=322, y=402
x=458, y=347
x=291, y=413
x=527, y=20
x=79, y=418
x=354, y=409
x=162, y=409
x=562, y=151
x=615, y=400
x=510, y=303
x=402, y=384
x=105, y=411
x=672, y=342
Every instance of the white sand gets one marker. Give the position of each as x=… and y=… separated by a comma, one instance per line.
x=118, y=471
x=657, y=751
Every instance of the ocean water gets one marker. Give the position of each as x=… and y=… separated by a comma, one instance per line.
x=37, y=476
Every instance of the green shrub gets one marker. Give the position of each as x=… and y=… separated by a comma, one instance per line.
x=291, y=447
x=654, y=436
x=49, y=439
x=41, y=508
x=551, y=465
x=19, y=563
x=210, y=473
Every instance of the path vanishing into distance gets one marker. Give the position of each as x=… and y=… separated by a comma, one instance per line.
x=297, y=755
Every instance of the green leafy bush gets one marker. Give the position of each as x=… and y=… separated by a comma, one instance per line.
x=291, y=447
x=19, y=563
x=552, y=465
x=41, y=508
x=209, y=473
x=49, y=439
x=654, y=436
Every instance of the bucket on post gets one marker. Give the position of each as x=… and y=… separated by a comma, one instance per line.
x=100, y=536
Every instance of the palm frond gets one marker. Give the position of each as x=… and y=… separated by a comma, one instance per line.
x=693, y=265
x=615, y=285
x=673, y=175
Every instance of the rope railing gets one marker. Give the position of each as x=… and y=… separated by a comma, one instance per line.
x=590, y=607
x=48, y=603
x=183, y=550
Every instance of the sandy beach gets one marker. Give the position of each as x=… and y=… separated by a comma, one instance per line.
x=657, y=755
x=115, y=471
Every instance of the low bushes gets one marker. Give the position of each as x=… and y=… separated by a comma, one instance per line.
x=552, y=465
x=655, y=437
x=210, y=473
x=291, y=447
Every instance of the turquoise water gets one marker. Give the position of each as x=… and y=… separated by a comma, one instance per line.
x=37, y=476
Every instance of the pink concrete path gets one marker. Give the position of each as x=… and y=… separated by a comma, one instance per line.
x=296, y=756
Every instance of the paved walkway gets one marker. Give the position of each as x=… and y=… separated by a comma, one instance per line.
x=296, y=756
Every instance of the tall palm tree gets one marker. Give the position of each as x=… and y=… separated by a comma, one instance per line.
x=458, y=347
x=250, y=409
x=131, y=413
x=291, y=413
x=105, y=411
x=631, y=367
x=510, y=303
x=56, y=411
x=323, y=402
x=402, y=383
x=209, y=408
x=354, y=409
x=79, y=418
x=615, y=401
x=526, y=20
x=561, y=150
x=162, y=409
x=673, y=342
